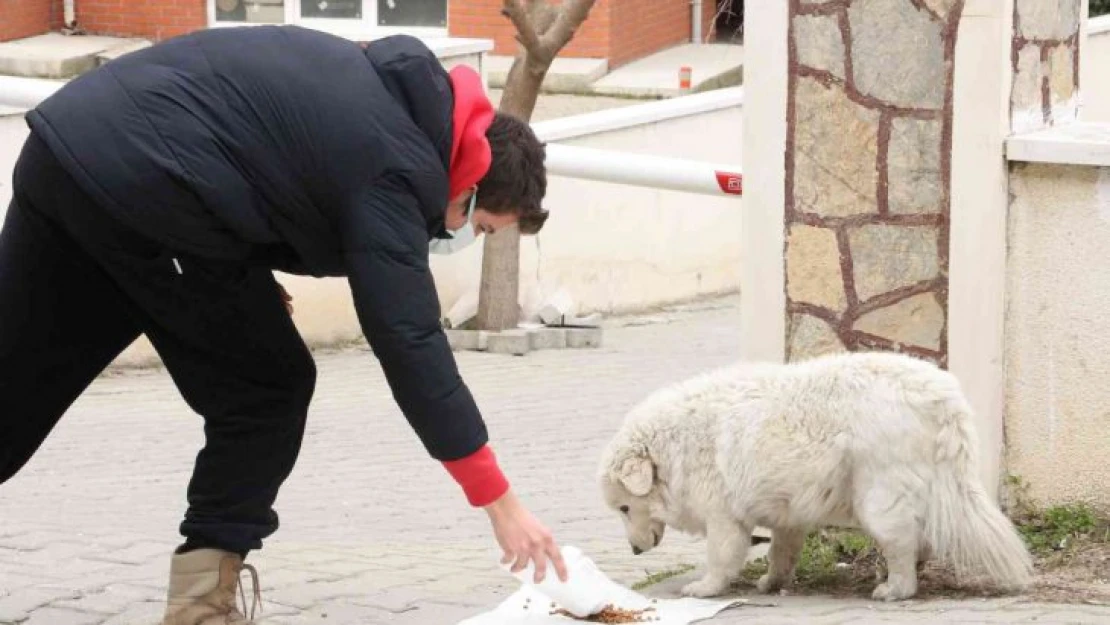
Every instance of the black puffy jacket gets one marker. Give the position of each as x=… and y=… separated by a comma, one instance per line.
x=299, y=150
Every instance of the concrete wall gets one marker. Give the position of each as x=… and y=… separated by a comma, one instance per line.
x=1094, y=71
x=612, y=247
x=1057, y=338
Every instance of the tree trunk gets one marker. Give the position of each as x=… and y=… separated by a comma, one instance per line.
x=542, y=31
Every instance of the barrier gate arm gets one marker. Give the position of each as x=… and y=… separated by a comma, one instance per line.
x=644, y=171
x=562, y=160
x=17, y=91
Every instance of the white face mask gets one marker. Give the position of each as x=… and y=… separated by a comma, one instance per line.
x=460, y=238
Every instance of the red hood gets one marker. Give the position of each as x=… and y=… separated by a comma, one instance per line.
x=472, y=116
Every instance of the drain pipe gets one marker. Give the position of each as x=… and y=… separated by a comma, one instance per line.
x=70, y=14
x=695, y=21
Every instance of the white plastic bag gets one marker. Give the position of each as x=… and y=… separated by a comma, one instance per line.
x=528, y=606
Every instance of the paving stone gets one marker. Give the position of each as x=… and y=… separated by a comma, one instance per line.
x=59, y=616
x=111, y=599
x=548, y=338
x=371, y=526
x=578, y=338
x=514, y=342
x=467, y=339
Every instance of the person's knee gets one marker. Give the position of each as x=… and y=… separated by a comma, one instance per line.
x=302, y=381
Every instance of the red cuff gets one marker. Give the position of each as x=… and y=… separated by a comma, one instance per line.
x=479, y=476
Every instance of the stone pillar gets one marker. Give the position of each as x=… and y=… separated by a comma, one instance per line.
x=876, y=186
x=1045, y=58
x=869, y=134
x=864, y=164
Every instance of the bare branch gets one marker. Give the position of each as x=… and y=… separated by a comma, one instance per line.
x=543, y=15
x=571, y=15
x=526, y=32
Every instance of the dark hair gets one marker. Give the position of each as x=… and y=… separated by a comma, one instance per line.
x=517, y=179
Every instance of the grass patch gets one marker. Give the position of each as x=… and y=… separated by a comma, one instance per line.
x=661, y=576
x=1055, y=533
x=830, y=558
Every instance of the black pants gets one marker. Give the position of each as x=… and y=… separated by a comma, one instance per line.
x=76, y=288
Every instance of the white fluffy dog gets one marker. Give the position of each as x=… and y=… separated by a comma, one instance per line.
x=876, y=441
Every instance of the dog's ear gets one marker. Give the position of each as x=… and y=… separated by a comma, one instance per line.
x=637, y=474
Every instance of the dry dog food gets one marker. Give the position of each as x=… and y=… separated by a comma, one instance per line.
x=611, y=614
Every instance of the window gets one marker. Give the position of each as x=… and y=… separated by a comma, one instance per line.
x=366, y=16
x=332, y=9
x=250, y=11
x=425, y=13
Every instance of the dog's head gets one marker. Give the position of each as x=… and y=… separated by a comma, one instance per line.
x=629, y=485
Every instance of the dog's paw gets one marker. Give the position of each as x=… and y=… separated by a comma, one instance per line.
x=768, y=584
x=705, y=587
x=892, y=592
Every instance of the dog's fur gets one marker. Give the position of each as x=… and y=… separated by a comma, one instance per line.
x=877, y=441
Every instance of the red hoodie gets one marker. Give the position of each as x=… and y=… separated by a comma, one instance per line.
x=478, y=474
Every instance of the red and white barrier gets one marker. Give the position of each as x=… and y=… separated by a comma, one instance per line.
x=19, y=92
x=644, y=171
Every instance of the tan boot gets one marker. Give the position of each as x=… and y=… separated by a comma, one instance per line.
x=202, y=589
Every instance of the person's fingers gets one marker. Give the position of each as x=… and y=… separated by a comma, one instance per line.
x=521, y=556
x=539, y=556
x=556, y=556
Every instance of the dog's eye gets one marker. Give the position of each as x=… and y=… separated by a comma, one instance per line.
x=624, y=509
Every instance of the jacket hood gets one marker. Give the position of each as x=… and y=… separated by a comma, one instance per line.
x=471, y=117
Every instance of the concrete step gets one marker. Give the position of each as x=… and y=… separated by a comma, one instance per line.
x=566, y=75
x=54, y=55
x=713, y=65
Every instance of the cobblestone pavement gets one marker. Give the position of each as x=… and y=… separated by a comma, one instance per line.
x=372, y=530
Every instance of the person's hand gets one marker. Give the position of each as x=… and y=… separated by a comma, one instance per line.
x=286, y=298
x=523, y=538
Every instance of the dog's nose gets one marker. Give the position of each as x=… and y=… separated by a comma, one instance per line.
x=636, y=550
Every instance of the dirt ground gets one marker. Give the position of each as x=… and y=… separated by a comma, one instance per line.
x=1080, y=574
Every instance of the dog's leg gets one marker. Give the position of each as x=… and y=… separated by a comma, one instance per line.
x=727, y=543
x=888, y=516
x=786, y=547
x=924, y=554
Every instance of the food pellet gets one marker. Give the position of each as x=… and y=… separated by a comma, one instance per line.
x=612, y=614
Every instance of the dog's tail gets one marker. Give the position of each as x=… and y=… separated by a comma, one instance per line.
x=962, y=524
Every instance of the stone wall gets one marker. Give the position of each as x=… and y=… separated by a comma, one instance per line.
x=868, y=160
x=1045, y=58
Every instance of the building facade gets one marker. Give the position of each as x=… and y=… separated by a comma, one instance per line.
x=617, y=30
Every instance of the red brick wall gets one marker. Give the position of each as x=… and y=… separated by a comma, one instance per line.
x=482, y=19
x=620, y=30
x=152, y=19
x=646, y=27
x=24, y=18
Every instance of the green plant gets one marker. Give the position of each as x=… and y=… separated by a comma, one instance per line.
x=1100, y=7
x=655, y=578
x=1057, y=529
x=827, y=558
